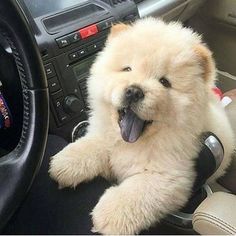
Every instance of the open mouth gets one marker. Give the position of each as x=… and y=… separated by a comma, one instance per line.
x=131, y=125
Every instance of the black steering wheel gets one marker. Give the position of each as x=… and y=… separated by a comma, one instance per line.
x=18, y=168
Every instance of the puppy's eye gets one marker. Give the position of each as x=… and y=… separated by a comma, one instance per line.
x=165, y=82
x=127, y=69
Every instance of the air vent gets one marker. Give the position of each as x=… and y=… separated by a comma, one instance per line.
x=115, y=2
x=138, y=1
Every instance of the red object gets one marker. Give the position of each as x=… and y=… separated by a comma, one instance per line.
x=217, y=92
x=88, y=31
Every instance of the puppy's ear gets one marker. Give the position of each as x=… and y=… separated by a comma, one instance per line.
x=117, y=28
x=206, y=61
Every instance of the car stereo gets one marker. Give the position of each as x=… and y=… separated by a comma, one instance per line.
x=69, y=34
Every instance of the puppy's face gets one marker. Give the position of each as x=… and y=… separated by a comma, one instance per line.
x=152, y=74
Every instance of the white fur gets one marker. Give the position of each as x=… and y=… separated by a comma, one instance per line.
x=156, y=173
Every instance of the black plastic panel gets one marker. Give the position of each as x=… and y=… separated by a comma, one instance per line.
x=68, y=37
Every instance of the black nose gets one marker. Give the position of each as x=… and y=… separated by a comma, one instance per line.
x=133, y=94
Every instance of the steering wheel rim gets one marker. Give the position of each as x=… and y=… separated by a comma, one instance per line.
x=18, y=168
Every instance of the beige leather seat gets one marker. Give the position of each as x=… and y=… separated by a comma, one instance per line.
x=217, y=213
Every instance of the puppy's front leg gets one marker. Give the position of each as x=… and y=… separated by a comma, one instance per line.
x=79, y=161
x=138, y=202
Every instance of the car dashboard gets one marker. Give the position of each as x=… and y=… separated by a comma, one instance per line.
x=69, y=35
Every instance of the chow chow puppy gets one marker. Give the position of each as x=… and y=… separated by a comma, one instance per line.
x=150, y=94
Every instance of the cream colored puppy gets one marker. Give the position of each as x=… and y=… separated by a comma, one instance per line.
x=150, y=93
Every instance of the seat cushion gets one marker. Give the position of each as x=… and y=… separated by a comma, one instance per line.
x=216, y=215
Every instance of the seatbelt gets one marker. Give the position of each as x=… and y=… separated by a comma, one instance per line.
x=5, y=114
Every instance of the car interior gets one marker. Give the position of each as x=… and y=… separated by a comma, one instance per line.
x=46, y=50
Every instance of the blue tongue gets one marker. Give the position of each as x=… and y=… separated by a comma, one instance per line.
x=131, y=126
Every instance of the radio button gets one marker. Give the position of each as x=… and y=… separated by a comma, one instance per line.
x=74, y=37
x=58, y=103
x=73, y=56
x=53, y=85
x=92, y=48
x=50, y=71
x=82, y=53
x=62, y=116
x=95, y=47
x=63, y=42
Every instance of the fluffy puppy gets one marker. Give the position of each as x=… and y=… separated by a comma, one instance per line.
x=150, y=93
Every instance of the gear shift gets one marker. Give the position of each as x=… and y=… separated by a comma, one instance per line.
x=208, y=161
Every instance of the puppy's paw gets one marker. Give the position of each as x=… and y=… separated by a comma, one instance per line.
x=114, y=215
x=65, y=170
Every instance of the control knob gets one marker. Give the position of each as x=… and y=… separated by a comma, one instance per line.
x=73, y=105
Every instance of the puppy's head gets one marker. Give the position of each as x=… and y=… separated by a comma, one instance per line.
x=152, y=74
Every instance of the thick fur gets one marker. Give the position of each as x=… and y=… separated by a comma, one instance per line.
x=156, y=173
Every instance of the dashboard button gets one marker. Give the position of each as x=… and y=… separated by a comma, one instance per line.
x=82, y=53
x=62, y=116
x=88, y=31
x=95, y=47
x=63, y=42
x=53, y=85
x=74, y=37
x=92, y=48
x=50, y=70
x=73, y=56
x=105, y=24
